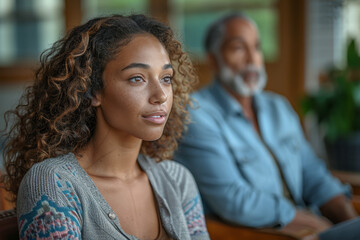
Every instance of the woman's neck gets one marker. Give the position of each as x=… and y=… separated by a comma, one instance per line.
x=111, y=156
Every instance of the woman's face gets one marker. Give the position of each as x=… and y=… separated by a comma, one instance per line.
x=137, y=96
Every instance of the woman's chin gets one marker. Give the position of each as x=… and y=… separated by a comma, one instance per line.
x=152, y=137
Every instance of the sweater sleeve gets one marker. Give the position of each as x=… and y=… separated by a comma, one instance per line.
x=192, y=205
x=47, y=206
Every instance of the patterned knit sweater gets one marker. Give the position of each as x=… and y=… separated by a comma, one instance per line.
x=58, y=200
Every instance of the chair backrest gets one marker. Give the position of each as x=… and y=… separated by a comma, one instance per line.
x=218, y=230
x=8, y=225
x=1, y=199
x=5, y=204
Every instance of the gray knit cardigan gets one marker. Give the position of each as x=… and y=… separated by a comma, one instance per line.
x=58, y=199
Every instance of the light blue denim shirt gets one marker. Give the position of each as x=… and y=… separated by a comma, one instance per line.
x=237, y=175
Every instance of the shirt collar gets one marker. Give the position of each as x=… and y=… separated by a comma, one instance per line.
x=227, y=102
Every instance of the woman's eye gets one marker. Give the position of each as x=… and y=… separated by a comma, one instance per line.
x=167, y=79
x=136, y=79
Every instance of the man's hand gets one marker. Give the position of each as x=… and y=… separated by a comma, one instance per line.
x=305, y=224
x=338, y=209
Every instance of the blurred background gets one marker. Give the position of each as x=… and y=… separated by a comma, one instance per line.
x=300, y=38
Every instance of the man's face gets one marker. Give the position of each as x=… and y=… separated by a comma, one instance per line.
x=241, y=55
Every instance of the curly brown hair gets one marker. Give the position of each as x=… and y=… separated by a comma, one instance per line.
x=55, y=115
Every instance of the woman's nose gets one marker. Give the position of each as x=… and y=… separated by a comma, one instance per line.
x=158, y=95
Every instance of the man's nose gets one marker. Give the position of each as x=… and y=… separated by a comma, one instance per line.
x=251, y=56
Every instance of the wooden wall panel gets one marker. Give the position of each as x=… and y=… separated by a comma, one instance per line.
x=73, y=13
x=159, y=9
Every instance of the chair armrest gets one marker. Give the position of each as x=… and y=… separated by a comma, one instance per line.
x=4, y=203
x=8, y=225
x=351, y=178
x=224, y=231
x=356, y=203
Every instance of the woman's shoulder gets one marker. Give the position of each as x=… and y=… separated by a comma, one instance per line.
x=177, y=173
x=170, y=168
x=168, y=174
x=63, y=164
x=47, y=189
x=47, y=175
x=174, y=168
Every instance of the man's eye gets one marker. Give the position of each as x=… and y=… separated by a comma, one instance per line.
x=167, y=79
x=136, y=79
x=258, y=47
x=238, y=48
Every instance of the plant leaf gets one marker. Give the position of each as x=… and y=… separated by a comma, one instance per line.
x=353, y=58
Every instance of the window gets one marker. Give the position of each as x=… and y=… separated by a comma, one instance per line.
x=94, y=8
x=192, y=18
x=27, y=28
x=351, y=19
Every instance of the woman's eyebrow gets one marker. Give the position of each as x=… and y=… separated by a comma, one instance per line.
x=136, y=65
x=167, y=66
x=145, y=66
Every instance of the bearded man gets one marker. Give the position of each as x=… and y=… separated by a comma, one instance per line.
x=246, y=148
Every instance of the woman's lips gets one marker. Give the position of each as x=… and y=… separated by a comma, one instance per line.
x=156, y=117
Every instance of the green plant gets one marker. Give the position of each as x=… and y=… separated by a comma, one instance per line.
x=337, y=103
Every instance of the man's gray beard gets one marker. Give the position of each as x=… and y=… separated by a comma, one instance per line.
x=236, y=82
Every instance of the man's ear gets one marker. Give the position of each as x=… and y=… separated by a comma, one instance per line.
x=95, y=100
x=213, y=63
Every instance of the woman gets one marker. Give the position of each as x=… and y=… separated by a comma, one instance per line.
x=85, y=155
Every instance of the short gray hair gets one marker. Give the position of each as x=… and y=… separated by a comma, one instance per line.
x=215, y=33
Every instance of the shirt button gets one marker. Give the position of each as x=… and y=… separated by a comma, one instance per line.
x=112, y=216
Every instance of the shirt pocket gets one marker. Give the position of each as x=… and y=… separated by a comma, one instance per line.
x=290, y=144
x=255, y=169
x=244, y=156
x=290, y=151
x=292, y=163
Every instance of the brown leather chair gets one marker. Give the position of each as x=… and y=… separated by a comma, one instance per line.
x=8, y=220
x=222, y=231
x=219, y=230
x=351, y=178
x=5, y=204
x=8, y=225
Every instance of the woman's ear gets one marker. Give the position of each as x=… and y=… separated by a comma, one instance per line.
x=95, y=100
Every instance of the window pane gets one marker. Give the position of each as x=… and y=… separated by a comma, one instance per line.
x=267, y=21
x=351, y=18
x=192, y=19
x=7, y=46
x=94, y=8
x=27, y=28
x=223, y=2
